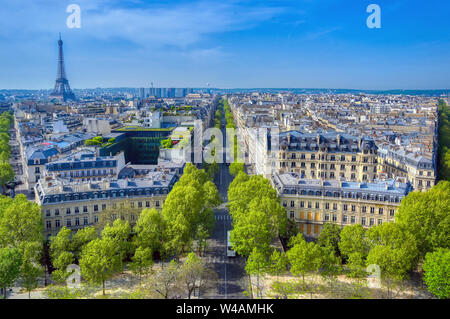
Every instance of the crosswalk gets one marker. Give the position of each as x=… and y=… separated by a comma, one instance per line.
x=222, y=217
x=223, y=259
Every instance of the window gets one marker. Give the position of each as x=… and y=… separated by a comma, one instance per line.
x=114, y=205
x=48, y=224
x=380, y=221
x=140, y=204
x=345, y=207
x=335, y=206
x=380, y=211
x=284, y=203
x=68, y=211
x=352, y=219
x=291, y=215
x=95, y=219
x=292, y=203
x=77, y=221
x=391, y=212
x=103, y=206
x=317, y=205
x=132, y=204
x=147, y=204
x=85, y=220
x=309, y=204
x=327, y=205
x=327, y=217
x=157, y=203
x=345, y=218
x=57, y=224
x=372, y=210
x=47, y=213
x=85, y=210
x=56, y=212
x=353, y=208
x=363, y=221
x=334, y=217
x=302, y=204
x=371, y=222
x=95, y=208
x=364, y=209
x=69, y=222
x=77, y=210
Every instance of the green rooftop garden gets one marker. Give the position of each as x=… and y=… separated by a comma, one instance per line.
x=138, y=128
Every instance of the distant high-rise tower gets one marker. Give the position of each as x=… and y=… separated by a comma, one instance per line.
x=62, y=89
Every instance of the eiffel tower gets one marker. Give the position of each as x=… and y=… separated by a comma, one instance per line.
x=62, y=89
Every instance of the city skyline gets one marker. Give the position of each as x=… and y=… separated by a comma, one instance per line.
x=253, y=45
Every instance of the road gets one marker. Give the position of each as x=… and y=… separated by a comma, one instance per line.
x=232, y=280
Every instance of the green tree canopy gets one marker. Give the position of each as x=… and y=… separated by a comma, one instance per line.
x=426, y=216
x=10, y=263
x=100, y=260
x=330, y=236
x=437, y=272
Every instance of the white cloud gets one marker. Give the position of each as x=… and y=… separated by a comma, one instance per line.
x=147, y=25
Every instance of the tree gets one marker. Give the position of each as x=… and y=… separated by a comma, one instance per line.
x=187, y=206
x=394, y=251
x=437, y=272
x=257, y=265
x=31, y=270
x=81, y=238
x=142, y=262
x=20, y=222
x=235, y=168
x=330, y=237
x=10, y=263
x=304, y=257
x=251, y=231
x=277, y=263
x=257, y=214
x=194, y=274
x=165, y=280
x=201, y=237
x=6, y=173
x=100, y=260
x=354, y=248
x=119, y=232
x=426, y=216
x=150, y=229
x=60, y=254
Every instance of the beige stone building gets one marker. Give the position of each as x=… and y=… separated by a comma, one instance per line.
x=80, y=204
x=312, y=203
x=330, y=156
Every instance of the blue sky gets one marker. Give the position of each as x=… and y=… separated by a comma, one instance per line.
x=229, y=44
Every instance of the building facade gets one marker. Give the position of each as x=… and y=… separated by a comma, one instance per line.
x=80, y=204
x=312, y=203
x=330, y=156
x=419, y=170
